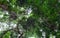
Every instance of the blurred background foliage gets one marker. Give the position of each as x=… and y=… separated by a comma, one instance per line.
x=33, y=18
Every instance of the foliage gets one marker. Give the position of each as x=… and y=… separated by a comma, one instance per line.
x=45, y=15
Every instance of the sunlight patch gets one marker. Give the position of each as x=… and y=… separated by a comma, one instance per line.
x=31, y=37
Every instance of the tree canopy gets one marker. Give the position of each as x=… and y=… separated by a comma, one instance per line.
x=29, y=18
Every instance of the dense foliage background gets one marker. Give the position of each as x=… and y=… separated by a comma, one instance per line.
x=29, y=18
